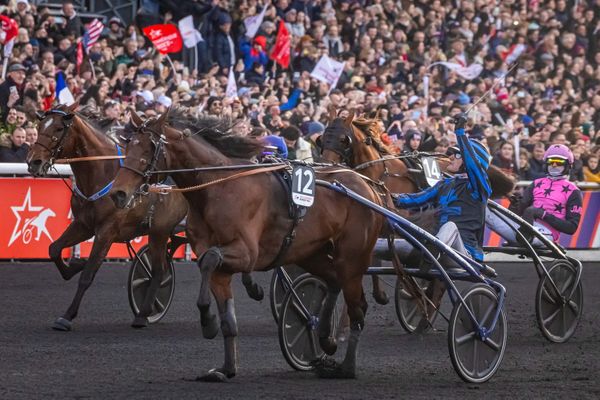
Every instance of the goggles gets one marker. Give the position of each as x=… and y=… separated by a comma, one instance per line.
x=453, y=152
x=559, y=162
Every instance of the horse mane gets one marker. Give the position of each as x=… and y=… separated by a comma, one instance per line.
x=101, y=126
x=501, y=183
x=217, y=131
x=369, y=127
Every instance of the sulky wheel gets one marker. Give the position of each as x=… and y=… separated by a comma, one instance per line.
x=408, y=312
x=298, y=334
x=558, y=313
x=277, y=290
x=475, y=359
x=139, y=280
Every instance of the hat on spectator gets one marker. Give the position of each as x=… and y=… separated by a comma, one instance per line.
x=146, y=95
x=546, y=57
x=309, y=128
x=16, y=67
x=164, y=100
x=183, y=86
x=533, y=26
x=526, y=119
x=23, y=1
x=261, y=40
x=243, y=91
x=463, y=99
x=115, y=20
x=224, y=18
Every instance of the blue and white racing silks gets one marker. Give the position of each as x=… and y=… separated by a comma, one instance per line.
x=461, y=199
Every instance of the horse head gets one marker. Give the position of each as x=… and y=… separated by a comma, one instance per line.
x=53, y=139
x=143, y=154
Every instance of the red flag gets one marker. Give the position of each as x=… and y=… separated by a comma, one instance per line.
x=79, y=54
x=10, y=29
x=165, y=37
x=281, y=50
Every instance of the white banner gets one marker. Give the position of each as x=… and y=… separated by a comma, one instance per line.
x=470, y=72
x=253, y=23
x=231, y=91
x=190, y=35
x=328, y=70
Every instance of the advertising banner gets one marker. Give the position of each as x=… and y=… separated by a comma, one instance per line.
x=33, y=214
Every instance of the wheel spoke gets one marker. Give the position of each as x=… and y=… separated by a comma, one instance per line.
x=567, y=284
x=167, y=281
x=146, y=265
x=475, y=354
x=574, y=307
x=411, y=314
x=313, y=345
x=492, y=344
x=487, y=313
x=159, y=306
x=295, y=339
x=137, y=283
x=551, y=318
x=299, y=311
x=464, y=339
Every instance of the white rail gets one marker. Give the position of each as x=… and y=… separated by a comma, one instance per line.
x=21, y=169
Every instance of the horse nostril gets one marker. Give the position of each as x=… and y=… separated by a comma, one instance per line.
x=119, y=198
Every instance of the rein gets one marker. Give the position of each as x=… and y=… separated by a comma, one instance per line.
x=415, y=154
x=169, y=189
x=89, y=158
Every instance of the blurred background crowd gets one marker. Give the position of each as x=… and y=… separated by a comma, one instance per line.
x=387, y=47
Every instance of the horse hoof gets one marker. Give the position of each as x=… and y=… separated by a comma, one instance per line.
x=62, y=324
x=211, y=329
x=215, y=375
x=256, y=292
x=139, y=322
x=328, y=345
x=381, y=297
x=328, y=368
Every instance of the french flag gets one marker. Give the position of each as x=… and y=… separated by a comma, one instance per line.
x=63, y=94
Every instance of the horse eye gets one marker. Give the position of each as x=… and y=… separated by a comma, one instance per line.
x=54, y=139
x=143, y=160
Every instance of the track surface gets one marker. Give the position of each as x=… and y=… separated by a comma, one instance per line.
x=104, y=358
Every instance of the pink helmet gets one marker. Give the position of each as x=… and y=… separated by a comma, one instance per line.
x=559, y=151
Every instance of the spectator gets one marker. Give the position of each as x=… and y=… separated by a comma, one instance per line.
x=298, y=148
x=413, y=141
x=505, y=159
x=31, y=134
x=11, y=90
x=536, y=163
x=254, y=53
x=592, y=170
x=222, y=45
x=15, y=151
x=72, y=25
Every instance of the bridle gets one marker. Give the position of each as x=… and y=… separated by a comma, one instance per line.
x=67, y=122
x=336, y=139
x=158, y=141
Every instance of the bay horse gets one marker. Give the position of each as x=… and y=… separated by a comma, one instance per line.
x=359, y=145
x=243, y=223
x=65, y=133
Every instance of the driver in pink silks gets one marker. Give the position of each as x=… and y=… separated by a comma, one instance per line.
x=552, y=204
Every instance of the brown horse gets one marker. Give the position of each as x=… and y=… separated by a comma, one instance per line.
x=361, y=146
x=64, y=133
x=244, y=222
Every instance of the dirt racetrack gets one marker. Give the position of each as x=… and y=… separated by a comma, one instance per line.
x=104, y=358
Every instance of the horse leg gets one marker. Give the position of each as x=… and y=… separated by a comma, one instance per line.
x=355, y=300
x=99, y=251
x=221, y=288
x=379, y=294
x=75, y=233
x=254, y=290
x=435, y=293
x=210, y=260
x=158, y=252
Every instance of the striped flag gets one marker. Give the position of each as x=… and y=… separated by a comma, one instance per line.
x=92, y=34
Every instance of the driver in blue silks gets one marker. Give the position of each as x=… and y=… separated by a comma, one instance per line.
x=461, y=200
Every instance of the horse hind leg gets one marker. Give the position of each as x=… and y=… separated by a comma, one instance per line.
x=254, y=290
x=229, y=329
x=327, y=339
x=210, y=261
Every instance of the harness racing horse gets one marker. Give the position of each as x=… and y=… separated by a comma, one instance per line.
x=243, y=223
x=359, y=146
x=63, y=133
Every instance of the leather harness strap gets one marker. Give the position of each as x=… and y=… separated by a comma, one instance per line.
x=168, y=189
x=89, y=158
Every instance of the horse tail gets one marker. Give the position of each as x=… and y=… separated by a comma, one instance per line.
x=501, y=183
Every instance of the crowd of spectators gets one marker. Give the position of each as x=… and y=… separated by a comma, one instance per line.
x=551, y=96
